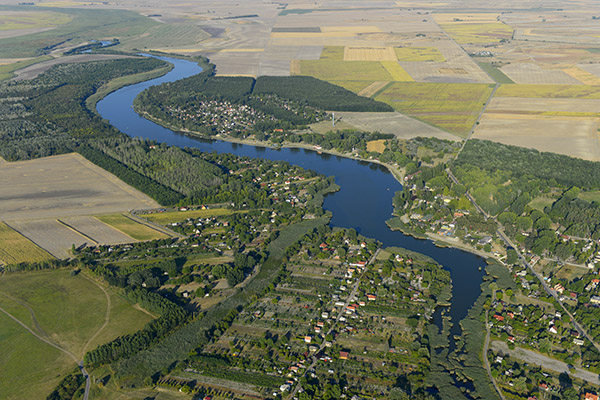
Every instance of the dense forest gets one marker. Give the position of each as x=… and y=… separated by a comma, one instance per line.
x=520, y=161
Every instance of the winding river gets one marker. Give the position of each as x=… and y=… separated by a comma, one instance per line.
x=364, y=201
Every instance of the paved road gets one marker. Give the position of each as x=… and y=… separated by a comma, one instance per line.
x=533, y=357
x=486, y=362
x=351, y=298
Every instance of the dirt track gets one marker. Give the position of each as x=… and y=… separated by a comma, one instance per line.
x=36, y=69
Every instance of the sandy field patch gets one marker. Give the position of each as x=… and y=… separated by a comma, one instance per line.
x=558, y=105
x=575, y=137
x=36, y=69
x=97, y=230
x=62, y=186
x=533, y=74
x=376, y=145
x=50, y=235
x=395, y=123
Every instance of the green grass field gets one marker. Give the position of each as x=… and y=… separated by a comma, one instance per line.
x=539, y=203
x=419, y=54
x=494, y=72
x=130, y=227
x=450, y=106
x=16, y=248
x=86, y=24
x=590, y=196
x=333, y=70
x=178, y=216
x=550, y=91
x=165, y=36
x=70, y=311
x=32, y=20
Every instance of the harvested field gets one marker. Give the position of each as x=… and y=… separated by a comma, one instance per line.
x=276, y=59
x=51, y=235
x=528, y=73
x=15, y=248
x=419, y=54
x=130, y=227
x=445, y=18
x=519, y=105
x=63, y=186
x=36, y=69
x=478, y=33
x=397, y=73
x=394, y=123
x=376, y=146
x=453, y=107
x=550, y=91
x=97, y=230
x=575, y=137
x=372, y=89
x=583, y=76
x=354, y=53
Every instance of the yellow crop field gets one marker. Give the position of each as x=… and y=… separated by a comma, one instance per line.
x=451, y=106
x=371, y=53
x=332, y=70
x=130, y=227
x=178, y=216
x=582, y=76
x=396, y=71
x=550, y=91
x=419, y=54
x=478, y=33
x=332, y=53
x=354, y=86
x=32, y=20
x=16, y=248
x=376, y=145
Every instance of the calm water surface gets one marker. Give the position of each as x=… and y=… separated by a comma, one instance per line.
x=364, y=201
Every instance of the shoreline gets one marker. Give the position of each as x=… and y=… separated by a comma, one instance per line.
x=395, y=171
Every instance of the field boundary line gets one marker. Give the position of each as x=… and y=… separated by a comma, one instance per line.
x=106, y=315
x=383, y=89
x=28, y=238
x=133, y=217
x=77, y=231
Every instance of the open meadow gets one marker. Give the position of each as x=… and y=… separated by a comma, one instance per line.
x=70, y=311
x=130, y=227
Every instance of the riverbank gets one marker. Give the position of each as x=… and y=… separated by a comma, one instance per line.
x=439, y=240
x=396, y=172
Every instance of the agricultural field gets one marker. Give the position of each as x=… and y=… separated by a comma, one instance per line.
x=396, y=124
x=100, y=232
x=355, y=53
x=550, y=91
x=130, y=227
x=63, y=186
x=332, y=70
x=474, y=28
x=529, y=73
x=51, y=235
x=70, y=311
x=452, y=107
x=18, y=23
x=179, y=216
x=15, y=248
x=419, y=54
